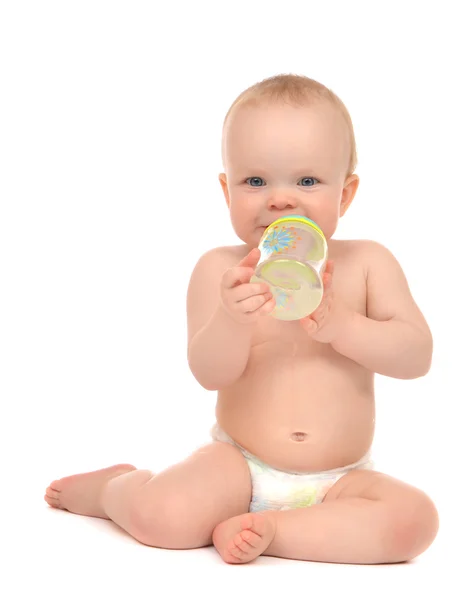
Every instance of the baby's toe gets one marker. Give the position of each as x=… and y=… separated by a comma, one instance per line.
x=242, y=544
x=235, y=552
x=256, y=525
x=54, y=502
x=52, y=493
x=250, y=538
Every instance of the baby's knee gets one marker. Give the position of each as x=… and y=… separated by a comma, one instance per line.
x=161, y=521
x=414, y=528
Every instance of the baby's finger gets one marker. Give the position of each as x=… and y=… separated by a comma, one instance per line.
x=328, y=275
x=247, y=290
x=236, y=276
x=329, y=267
x=251, y=259
x=268, y=307
x=250, y=305
x=317, y=314
x=309, y=324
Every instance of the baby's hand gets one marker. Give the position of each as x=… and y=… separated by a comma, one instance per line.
x=245, y=301
x=327, y=321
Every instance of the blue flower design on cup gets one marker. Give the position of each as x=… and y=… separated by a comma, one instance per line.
x=278, y=240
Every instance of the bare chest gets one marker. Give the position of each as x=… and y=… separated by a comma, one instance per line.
x=349, y=288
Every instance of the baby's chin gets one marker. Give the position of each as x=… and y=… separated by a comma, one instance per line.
x=256, y=236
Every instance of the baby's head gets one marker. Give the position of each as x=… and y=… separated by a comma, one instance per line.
x=288, y=148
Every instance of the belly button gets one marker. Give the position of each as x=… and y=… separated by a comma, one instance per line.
x=298, y=436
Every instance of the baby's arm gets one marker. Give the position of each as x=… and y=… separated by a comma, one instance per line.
x=218, y=346
x=394, y=338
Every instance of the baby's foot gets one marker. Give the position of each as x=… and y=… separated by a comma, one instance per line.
x=81, y=494
x=243, y=538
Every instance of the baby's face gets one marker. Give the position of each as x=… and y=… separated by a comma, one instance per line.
x=282, y=160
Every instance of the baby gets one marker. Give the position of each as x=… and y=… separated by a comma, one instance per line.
x=289, y=471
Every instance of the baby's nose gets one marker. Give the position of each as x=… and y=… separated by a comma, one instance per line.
x=282, y=200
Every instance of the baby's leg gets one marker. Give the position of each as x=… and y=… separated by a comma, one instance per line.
x=365, y=518
x=178, y=508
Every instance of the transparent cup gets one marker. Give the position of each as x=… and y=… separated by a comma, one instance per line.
x=293, y=258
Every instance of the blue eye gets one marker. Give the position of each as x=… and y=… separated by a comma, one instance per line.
x=255, y=181
x=308, y=181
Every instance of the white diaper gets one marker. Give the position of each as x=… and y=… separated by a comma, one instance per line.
x=273, y=489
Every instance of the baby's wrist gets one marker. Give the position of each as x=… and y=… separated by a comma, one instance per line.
x=345, y=329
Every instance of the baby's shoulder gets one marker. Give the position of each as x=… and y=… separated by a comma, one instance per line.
x=228, y=255
x=358, y=250
x=213, y=263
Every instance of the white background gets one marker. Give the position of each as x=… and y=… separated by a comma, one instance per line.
x=110, y=124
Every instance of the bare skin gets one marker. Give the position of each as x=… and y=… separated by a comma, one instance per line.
x=177, y=508
x=336, y=418
x=299, y=395
x=212, y=489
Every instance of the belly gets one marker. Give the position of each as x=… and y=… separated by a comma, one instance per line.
x=300, y=412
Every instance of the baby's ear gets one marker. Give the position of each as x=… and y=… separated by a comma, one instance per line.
x=348, y=193
x=223, y=182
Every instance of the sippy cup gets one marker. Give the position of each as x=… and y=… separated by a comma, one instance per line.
x=293, y=257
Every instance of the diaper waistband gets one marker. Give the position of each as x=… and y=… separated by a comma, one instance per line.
x=218, y=434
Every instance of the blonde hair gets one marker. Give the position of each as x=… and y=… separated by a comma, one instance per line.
x=297, y=90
